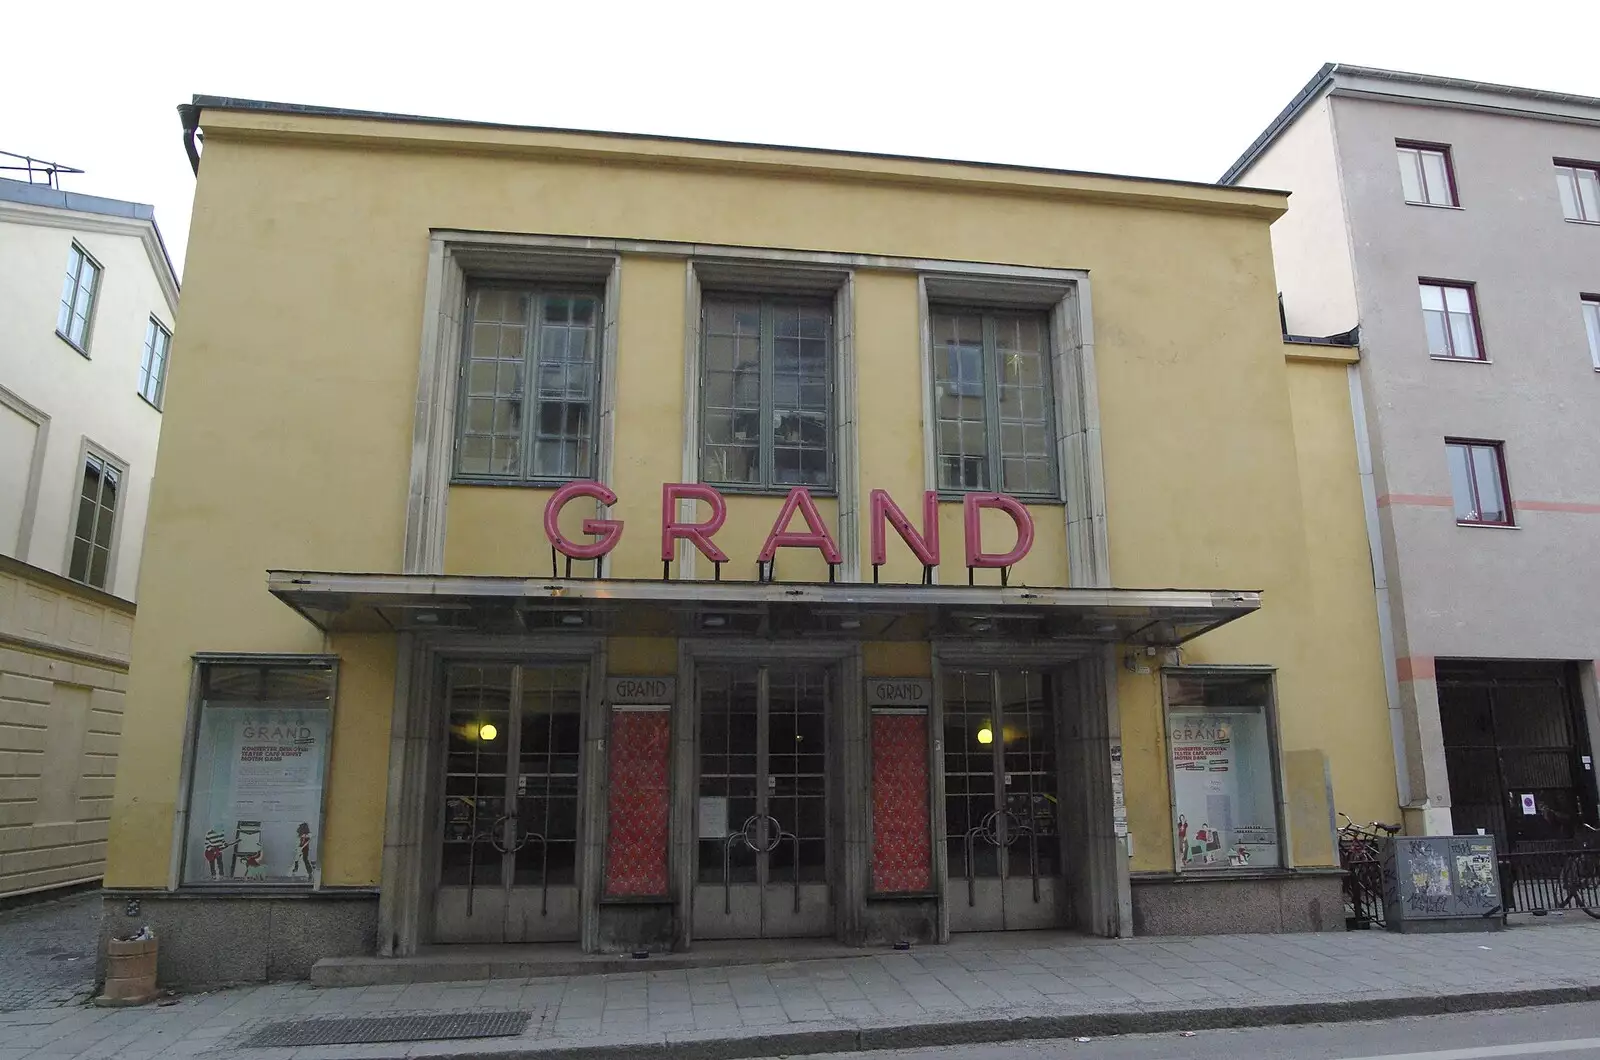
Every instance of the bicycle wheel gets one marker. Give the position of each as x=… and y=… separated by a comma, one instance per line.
x=1580, y=878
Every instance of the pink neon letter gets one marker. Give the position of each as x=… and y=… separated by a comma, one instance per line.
x=925, y=544
x=609, y=531
x=976, y=557
x=816, y=536
x=699, y=533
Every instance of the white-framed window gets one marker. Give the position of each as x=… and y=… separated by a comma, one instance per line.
x=1578, y=184
x=153, y=365
x=530, y=374
x=1222, y=749
x=994, y=401
x=767, y=392
x=1591, y=326
x=258, y=771
x=78, y=294
x=93, y=532
x=1426, y=174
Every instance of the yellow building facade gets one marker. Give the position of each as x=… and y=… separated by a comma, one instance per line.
x=386, y=697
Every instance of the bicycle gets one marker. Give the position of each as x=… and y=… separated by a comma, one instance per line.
x=1363, y=879
x=1580, y=876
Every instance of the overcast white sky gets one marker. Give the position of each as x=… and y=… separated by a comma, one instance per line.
x=1153, y=88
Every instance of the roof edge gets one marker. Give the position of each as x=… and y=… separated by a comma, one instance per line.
x=1285, y=118
x=230, y=103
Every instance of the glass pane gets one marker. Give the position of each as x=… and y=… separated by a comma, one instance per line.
x=492, y=407
x=1438, y=333
x=972, y=784
x=1432, y=296
x=1457, y=300
x=1222, y=784
x=99, y=559
x=1589, y=194
x=1461, y=483
x=1566, y=188
x=1410, y=174
x=1591, y=323
x=1463, y=336
x=476, y=762
x=1438, y=178
x=1486, y=476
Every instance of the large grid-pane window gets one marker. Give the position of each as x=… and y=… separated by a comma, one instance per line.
x=1450, y=316
x=97, y=516
x=529, y=385
x=767, y=397
x=994, y=402
x=1579, y=187
x=1425, y=174
x=1591, y=326
x=1478, y=483
x=153, y=365
x=78, y=293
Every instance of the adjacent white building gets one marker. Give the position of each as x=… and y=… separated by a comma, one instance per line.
x=87, y=303
x=1457, y=225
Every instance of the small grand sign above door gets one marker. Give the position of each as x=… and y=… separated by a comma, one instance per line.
x=649, y=691
x=899, y=692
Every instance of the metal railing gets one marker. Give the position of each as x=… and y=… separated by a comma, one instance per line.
x=1560, y=874
x=48, y=173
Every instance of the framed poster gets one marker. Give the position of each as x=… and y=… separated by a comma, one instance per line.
x=1223, y=763
x=258, y=771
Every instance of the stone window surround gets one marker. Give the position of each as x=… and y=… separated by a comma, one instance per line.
x=456, y=255
x=30, y=492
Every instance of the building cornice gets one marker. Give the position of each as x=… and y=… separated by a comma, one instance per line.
x=236, y=120
x=77, y=221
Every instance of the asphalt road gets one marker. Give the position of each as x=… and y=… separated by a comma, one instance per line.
x=1567, y=1032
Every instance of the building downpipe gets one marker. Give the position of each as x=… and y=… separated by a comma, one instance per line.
x=1380, y=582
x=189, y=115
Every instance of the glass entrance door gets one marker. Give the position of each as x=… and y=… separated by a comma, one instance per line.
x=509, y=836
x=762, y=811
x=1001, y=801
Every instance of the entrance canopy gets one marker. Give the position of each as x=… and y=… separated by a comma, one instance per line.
x=375, y=603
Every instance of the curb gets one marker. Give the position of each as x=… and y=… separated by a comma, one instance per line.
x=1022, y=1028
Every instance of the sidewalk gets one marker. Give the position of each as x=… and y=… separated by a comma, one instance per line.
x=988, y=989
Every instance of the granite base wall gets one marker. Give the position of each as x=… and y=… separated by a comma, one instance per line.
x=211, y=940
x=1271, y=905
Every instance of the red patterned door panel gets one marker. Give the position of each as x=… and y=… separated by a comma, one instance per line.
x=637, y=812
x=901, y=855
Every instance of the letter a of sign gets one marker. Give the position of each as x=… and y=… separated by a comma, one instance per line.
x=972, y=513
x=925, y=545
x=609, y=531
x=815, y=536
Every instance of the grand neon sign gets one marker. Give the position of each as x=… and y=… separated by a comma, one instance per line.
x=882, y=514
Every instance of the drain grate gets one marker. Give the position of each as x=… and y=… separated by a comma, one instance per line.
x=398, y=1028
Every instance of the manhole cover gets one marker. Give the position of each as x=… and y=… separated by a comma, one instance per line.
x=399, y=1028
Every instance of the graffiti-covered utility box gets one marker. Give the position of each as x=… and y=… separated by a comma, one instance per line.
x=1441, y=883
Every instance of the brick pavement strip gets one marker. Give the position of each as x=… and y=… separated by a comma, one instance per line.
x=47, y=953
x=974, y=990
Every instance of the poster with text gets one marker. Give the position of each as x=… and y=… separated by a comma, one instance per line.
x=255, y=804
x=1225, y=809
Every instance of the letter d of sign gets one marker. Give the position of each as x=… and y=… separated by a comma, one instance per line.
x=972, y=514
x=609, y=531
x=814, y=536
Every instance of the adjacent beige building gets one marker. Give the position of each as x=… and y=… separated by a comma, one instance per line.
x=1457, y=224
x=87, y=301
